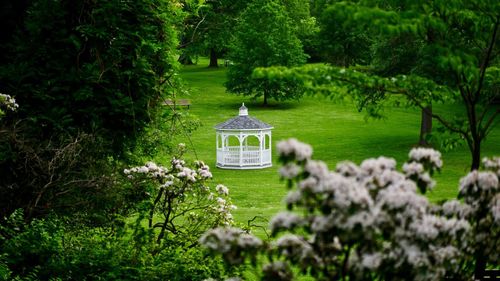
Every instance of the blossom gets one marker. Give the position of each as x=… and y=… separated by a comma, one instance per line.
x=310, y=184
x=413, y=168
x=348, y=169
x=187, y=173
x=495, y=208
x=9, y=102
x=247, y=241
x=455, y=208
x=378, y=165
x=289, y=171
x=284, y=220
x=178, y=164
x=414, y=255
x=446, y=253
x=230, y=242
x=492, y=164
x=478, y=184
x=292, y=147
x=345, y=192
x=277, y=270
x=295, y=247
x=322, y=224
x=396, y=198
x=293, y=197
x=222, y=189
x=427, y=155
x=371, y=261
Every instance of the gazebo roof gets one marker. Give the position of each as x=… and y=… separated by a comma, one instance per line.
x=243, y=122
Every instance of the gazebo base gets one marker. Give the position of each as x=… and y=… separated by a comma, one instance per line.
x=243, y=167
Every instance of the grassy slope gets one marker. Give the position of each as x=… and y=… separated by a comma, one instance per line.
x=336, y=131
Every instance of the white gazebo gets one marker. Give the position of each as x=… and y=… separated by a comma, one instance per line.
x=243, y=142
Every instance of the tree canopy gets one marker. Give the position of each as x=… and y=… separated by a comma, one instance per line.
x=456, y=60
x=264, y=37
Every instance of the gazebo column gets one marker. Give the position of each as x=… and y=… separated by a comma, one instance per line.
x=261, y=145
x=270, y=147
x=241, y=149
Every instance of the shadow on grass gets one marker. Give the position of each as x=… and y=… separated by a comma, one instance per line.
x=256, y=105
x=201, y=68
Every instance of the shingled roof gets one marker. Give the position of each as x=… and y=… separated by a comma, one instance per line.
x=243, y=122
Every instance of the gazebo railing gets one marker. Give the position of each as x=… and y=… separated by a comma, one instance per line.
x=250, y=156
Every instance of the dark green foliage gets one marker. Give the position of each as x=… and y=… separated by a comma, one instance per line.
x=264, y=37
x=208, y=28
x=342, y=44
x=88, y=76
x=51, y=248
x=67, y=175
x=91, y=66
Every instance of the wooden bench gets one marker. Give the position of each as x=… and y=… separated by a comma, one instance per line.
x=179, y=102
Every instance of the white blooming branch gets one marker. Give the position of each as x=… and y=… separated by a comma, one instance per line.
x=181, y=202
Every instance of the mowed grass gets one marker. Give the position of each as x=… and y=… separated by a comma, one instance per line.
x=336, y=131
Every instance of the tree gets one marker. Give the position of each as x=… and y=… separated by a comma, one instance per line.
x=460, y=45
x=89, y=76
x=264, y=38
x=209, y=27
x=342, y=44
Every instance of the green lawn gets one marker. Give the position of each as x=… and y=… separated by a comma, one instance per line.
x=336, y=132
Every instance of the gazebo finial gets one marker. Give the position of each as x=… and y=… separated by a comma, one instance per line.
x=243, y=110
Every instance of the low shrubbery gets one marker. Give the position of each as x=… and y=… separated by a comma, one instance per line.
x=175, y=206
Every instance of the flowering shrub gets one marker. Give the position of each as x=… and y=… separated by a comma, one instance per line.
x=7, y=102
x=369, y=222
x=182, y=204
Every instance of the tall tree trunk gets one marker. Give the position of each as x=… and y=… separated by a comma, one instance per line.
x=213, y=58
x=265, y=97
x=425, y=125
x=476, y=155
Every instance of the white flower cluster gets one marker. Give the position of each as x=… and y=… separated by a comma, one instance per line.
x=223, y=208
x=187, y=173
x=9, y=102
x=289, y=171
x=150, y=169
x=222, y=189
x=182, y=192
x=454, y=208
x=285, y=220
x=277, y=270
x=423, y=162
x=203, y=170
x=495, y=208
x=294, y=148
x=426, y=155
x=417, y=173
x=492, y=164
x=294, y=246
x=232, y=243
x=478, y=187
x=370, y=218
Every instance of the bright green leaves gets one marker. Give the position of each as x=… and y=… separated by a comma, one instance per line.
x=264, y=37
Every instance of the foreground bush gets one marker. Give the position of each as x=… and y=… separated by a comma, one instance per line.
x=176, y=206
x=368, y=222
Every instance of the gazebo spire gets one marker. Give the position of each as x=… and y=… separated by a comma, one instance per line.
x=243, y=110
